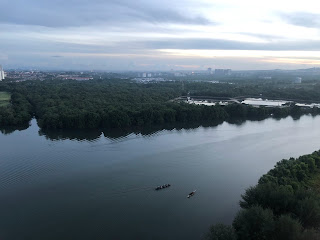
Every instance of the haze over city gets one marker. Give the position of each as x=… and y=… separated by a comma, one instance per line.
x=159, y=35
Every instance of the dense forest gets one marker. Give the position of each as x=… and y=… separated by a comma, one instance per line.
x=285, y=204
x=123, y=104
x=304, y=92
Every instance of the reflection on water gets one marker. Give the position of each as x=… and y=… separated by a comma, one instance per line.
x=116, y=134
x=10, y=129
x=63, y=134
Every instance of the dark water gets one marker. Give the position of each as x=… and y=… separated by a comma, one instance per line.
x=102, y=188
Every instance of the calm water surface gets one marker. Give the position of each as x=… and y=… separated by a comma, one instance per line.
x=103, y=188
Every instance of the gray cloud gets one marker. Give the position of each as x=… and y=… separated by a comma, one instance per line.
x=58, y=13
x=203, y=44
x=122, y=33
x=263, y=36
x=139, y=63
x=302, y=19
x=56, y=50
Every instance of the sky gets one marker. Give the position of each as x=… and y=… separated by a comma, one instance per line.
x=152, y=35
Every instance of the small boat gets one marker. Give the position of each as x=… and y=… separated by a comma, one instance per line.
x=191, y=194
x=162, y=187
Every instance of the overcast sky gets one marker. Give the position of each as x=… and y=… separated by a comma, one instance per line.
x=159, y=35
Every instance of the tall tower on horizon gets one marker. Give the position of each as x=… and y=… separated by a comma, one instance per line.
x=1, y=73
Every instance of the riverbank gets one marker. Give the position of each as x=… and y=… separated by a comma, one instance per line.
x=285, y=204
x=123, y=104
x=151, y=118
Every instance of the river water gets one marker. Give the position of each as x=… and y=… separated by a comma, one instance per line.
x=102, y=188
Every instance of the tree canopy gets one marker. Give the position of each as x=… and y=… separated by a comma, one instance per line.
x=285, y=204
x=123, y=104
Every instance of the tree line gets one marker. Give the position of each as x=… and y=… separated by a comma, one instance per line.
x=285, y=204
x=123, y=104
x=305, y=92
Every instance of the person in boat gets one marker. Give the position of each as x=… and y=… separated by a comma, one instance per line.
x=162, y=186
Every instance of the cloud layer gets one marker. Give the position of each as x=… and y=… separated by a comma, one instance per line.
x=70, y=13
x=155, y=35
x=303, y=19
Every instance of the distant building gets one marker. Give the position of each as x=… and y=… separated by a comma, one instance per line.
x=209, y=71
x=149, y=75
x=265, y=77
x=144, y=75
x=297, y=80
x=178, y=74
x=2, y=75
x=222, y=72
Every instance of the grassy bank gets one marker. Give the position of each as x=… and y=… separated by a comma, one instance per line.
x=5, y=98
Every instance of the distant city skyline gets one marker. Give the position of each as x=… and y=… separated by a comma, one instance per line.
x=146, y=35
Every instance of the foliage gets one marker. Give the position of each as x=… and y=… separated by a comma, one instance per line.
x=255, y=223
x=256, y=88
x=220, y=232
x=285, y=189
x=123, y=104
x=4, y=98
x=287, y=228
x=19, y=113
x=284, y=204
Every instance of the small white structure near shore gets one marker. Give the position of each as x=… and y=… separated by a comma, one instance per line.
x=312, y=105
x=263, y=102
x=206, y=102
